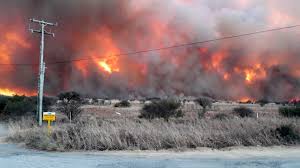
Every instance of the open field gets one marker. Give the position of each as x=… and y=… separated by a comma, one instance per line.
x=190, y=110
x=105, y=127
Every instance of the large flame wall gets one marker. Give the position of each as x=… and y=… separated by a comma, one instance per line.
x=256, y=67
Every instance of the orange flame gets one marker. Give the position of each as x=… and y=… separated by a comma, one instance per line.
x=102, y=48
x=254, y=73
x=15, y=91
x=7, y=92
x=105, y=66
x=246, y=100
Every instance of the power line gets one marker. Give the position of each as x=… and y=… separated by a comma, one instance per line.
x=19, y=64
x=166, y=48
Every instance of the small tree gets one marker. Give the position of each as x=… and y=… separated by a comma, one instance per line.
x=161, y=109
x=291, y=111
x=287, y=133
x=123, y=103
x=68, y=96
x=244, y=112
x=204, y=102
x=71, y=109
x=262, y=102
x=70, y=105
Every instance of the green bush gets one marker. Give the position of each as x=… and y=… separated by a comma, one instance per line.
x=243, y=112
x=287, y=132
x=69, y=96
x=263, y=102
x=17, y=106
x=204, y=102
x=162, y=109
x=123, y=103
x=293, y=111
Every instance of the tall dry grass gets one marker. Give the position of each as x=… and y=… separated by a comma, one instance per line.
x=130, y=134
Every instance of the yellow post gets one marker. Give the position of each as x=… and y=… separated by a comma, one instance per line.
x=49, y=127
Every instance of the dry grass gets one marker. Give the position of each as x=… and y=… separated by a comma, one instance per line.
x=132, y=134
x=190, y=110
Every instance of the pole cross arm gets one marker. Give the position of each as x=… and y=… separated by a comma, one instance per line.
x=40, y=32
x=43, y=22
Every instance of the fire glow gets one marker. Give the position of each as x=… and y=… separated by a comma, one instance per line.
x=7, y=92
x=15, y=91
x=9, y=44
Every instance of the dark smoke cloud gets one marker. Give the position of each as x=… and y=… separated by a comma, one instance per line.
x=180, y=71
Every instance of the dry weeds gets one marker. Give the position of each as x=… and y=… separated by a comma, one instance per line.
x=135, y=134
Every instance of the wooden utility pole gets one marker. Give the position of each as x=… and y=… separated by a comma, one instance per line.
x=42, y=67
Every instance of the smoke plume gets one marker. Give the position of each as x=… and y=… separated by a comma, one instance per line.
x=254, y=67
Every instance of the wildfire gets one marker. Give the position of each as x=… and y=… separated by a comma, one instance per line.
x=225, y=69
x=295, y=100
x=245, y=100
x=105, y=66
x=9, y=44
x=109, y=66
x=102, y=48
x=217, y=59
x=250, y=75
x=255, y=73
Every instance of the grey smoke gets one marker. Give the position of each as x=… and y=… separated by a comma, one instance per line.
x=130, y=22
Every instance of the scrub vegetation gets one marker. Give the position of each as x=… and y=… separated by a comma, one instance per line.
x=160, y=124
